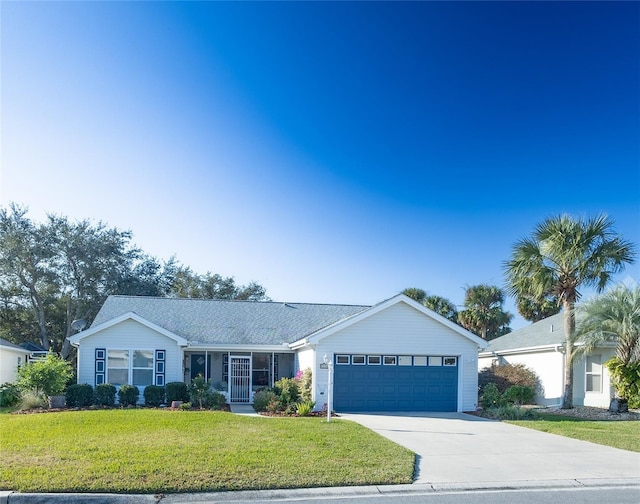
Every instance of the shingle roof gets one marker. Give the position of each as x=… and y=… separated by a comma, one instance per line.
x=8, y=344
x=207, y=321
x=549, y=331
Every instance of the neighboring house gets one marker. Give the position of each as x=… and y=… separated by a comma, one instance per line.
x=394, y=356
x=11, y=358
x=541, y=347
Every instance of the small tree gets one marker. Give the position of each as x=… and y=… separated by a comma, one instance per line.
x=48, y=376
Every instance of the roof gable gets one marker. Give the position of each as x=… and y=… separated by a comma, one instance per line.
x=75, y=339
x=400, y=298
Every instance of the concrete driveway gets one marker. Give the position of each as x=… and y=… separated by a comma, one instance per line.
x=457, y=448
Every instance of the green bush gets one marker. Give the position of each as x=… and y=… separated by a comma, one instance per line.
x=491, y=397
x=49, y=375
x=176, y=391
x=185, y=406
x=519, y=395
x=216, y=400
x=509, y=412
x=305, y=408
x=288, y=391
x=304, y=384
x=9, y=395
x=78, y=396
x=199, y=391
x=262, y=399
x=128, y=395
x=626, y=380
x=105, y=394
x=153, y=395
x=507, y=375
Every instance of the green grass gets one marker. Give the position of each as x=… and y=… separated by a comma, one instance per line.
x=151, y=451
x=619, y=434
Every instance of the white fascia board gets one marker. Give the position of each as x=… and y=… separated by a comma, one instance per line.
x=511, y=351
x=75, y=339
x=539, y=348
x=400, y=298
x=238, y=348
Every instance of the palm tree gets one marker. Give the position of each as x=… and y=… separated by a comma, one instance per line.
x=535, y=310
x=614, y=316
x=563, y=255
x=483, y=313
x=442, y=306
x=438, y=304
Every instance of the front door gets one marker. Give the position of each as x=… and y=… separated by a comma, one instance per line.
x=201, y=365
x=240, y=378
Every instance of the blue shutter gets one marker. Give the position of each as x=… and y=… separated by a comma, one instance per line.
x=100, y=365
x=161, y=361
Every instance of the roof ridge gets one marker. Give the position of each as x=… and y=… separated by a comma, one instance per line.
x=128, y=296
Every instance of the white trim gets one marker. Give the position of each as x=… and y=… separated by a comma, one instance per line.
x=229, y=347
x=75, y=339
x=316, y=337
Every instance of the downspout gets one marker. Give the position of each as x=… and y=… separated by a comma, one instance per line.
x=558, y=348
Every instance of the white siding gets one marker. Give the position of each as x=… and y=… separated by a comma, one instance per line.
x=403, y=330
x=128, y=334
x=548, y=365
x=9, y=363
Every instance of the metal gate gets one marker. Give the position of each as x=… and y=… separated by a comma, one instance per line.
x=240, y=379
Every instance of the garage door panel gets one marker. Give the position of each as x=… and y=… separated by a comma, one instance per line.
x=395, y=388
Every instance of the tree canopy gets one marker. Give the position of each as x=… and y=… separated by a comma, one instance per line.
x=58, y=271
x=613, y=316
x=438, y=304
x=484, y=314
x=562, y=256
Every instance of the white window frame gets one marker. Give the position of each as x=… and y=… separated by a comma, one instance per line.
x=450, y=364
x=592, y=374
x=343, y=356
x=434, y=360
x=393, y=360
x=358, y=357
x=133, y=368
x=370, y=357
x=420, y=360
x=130, y=368
x=405, y=360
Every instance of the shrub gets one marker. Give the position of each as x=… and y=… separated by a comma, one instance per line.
x=305, y=408
x=287, y=389
x=491, y=397
x=262, y=398
x=185, y=406
x=153, y=395
x=508, y=412
x=49, y=375
x=304, y=384
x=33, y=399
x=78, y=396
x=9, y=395
x=216, y=400
x=128, y=395
x=626, y=380
x=199, y=391
x=105, y=394
x=176, y=391
x=507, y=375
x=519, y=395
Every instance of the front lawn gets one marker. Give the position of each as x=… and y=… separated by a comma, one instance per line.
x=152, y=451
x=619, y=434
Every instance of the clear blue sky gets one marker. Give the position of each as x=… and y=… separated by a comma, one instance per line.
x=333, y=152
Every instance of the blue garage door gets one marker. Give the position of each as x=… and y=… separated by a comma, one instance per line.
x=395, y=383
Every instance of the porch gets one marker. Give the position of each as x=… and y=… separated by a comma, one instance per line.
x=238, y=374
